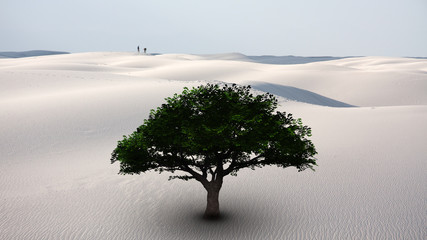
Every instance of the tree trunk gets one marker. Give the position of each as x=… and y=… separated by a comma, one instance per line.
x=212, y=207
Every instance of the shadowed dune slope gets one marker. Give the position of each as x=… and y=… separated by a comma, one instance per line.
x=299, y=95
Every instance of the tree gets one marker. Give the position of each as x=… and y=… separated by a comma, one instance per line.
x=210, y=132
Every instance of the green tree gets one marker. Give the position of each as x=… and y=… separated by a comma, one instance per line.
x=212, y=131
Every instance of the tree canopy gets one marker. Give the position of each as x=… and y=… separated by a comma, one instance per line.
x=212, y=131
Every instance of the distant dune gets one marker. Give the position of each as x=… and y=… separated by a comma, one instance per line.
x=268, y=59
x=33, y=53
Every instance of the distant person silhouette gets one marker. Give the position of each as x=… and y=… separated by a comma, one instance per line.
x=138, y=49
x=145, y=50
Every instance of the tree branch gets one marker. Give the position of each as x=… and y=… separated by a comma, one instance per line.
x=212, y=173
x=204, y=172
x=195, y=174
x=238, y=165
x=219, y=171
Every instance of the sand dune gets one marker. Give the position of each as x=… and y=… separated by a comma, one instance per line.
x=62, y=115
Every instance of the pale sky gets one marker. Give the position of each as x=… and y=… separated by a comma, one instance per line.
x=263, y=27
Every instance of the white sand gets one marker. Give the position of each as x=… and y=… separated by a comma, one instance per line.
x=61, y=117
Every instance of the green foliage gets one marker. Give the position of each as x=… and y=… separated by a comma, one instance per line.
x=215, y=126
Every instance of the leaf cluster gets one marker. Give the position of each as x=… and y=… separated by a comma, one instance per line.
x=216, y=130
